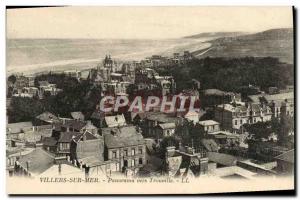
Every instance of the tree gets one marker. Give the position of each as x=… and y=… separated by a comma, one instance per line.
x=12, y=78
x=259, y=131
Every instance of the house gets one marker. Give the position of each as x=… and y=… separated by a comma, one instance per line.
x=34, y=163
x=50, y=144
x=282, y=102
x=213, y=97
x=209, y=126
x=115, y=121
x=185, y=162
x=125, y=145
x=152, y=119
x=165, y=130
x=232, y=116
x=286, y=162
x=46, y=118
x=225, y=138
x=90, y=128
x=87, y=152
x=65, y=139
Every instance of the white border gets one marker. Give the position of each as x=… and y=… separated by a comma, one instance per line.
x=4, y=3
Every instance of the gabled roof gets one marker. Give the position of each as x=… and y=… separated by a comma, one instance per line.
x=123, y=137
x=38, y=161
x=67, y=136
x=47, y=117
x=115, y=121
x=167, y=125
x=75, y=124
x=287, y=156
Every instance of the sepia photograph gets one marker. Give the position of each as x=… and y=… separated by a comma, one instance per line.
x=111, y=100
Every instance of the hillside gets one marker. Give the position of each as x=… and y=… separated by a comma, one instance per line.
x=215, y=35
x=271, y=43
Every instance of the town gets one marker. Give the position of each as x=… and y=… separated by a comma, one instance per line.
x=56, y=127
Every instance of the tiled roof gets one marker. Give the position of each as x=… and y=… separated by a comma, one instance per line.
x=67, y=136
x=38, y=161
x=288, y=156
x=161, y=117
x=123, y=137
x=49, y=141
x=75, y=124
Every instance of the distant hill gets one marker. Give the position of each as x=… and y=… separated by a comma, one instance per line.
x=271, y=43
x=215, y=35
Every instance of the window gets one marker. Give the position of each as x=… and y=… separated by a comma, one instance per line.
x=241, y=121
x=254, y=120
x=133, y=163
x=132, y=152
x=125, y=152
x=140, y=161
x=140, y=151
x=235, y=122
x=114, y=154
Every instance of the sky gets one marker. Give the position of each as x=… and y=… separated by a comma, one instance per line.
x=141, y=22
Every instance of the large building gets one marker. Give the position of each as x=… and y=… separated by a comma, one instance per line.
x=233, y=116
x=126, y=146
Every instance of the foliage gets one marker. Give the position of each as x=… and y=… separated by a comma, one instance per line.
x=230, y=74
x=24, y=109
x=12, y=78
x=76, y=96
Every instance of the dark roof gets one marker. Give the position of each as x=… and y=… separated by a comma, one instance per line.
x=38, y=161
x=49, y=141
x=287, y=156
x=67, y=136
x=123, y=137
x=161, y=117
x=75, y=124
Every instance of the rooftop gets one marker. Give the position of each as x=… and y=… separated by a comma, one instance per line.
x=123, y=137
x=287, y=156
x=208, y=123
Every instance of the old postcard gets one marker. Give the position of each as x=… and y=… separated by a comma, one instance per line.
x=149, y=100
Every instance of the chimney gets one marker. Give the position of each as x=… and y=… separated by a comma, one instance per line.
x=59, y=168
x=27, y=166
x=170, y=151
